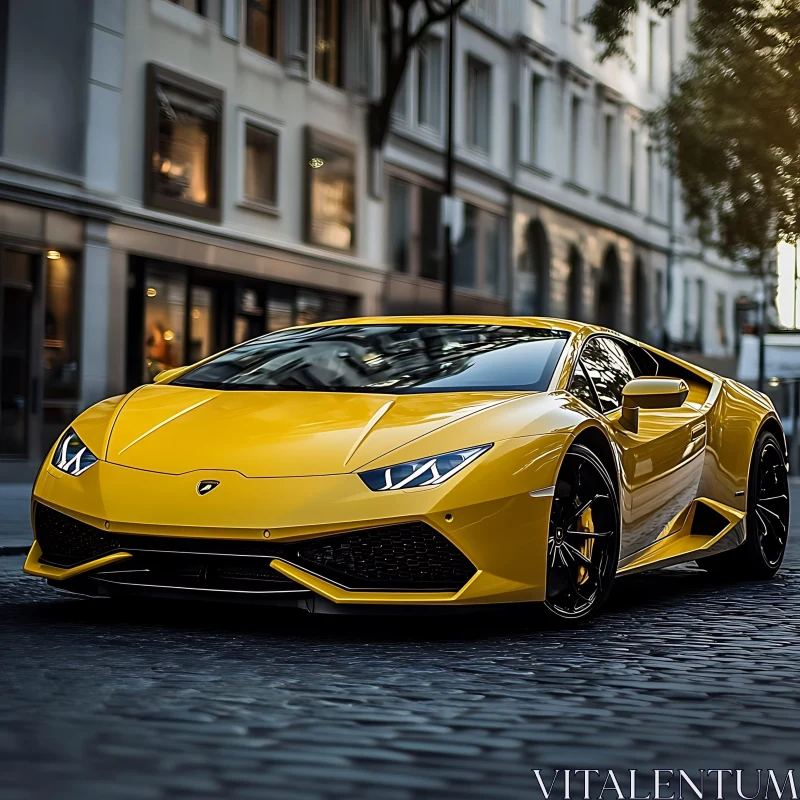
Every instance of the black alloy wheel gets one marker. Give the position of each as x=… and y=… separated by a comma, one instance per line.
x=583, y=537
x=767, y=521
x=771, y=509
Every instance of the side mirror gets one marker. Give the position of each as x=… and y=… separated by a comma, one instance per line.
x=650, y=393
x=166, y=374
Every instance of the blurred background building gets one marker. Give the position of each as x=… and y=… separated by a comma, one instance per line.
x=180, y=175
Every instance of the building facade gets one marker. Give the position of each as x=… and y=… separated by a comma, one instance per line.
x=177, y=176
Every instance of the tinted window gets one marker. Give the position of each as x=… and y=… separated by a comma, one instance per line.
x=609, y=368
x=388, y=358
x=582, y=389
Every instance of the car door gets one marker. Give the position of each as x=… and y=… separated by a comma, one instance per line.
x=662, y=462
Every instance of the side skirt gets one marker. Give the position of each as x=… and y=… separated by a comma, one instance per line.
x=704, y=529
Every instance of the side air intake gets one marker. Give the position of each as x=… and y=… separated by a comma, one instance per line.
x=706, y=521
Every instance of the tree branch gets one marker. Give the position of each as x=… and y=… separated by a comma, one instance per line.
x=395, y=62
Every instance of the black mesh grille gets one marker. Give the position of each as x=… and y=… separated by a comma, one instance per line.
x=411, y=555
x=67, y=542
x=405, y=557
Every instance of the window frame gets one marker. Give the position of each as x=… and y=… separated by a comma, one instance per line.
x=472, y=126
x=277, y=27
x=156, y=74
x=346, y=147
x=201, y=10
x=327, y=66
x=434, y=94
x=266, y=125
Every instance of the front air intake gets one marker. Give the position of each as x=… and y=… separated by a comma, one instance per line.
x=408, y=556
x=67, y=542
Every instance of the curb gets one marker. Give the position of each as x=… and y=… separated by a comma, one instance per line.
x=14, y=550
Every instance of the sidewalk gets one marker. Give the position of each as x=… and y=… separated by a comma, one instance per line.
x=15, y=518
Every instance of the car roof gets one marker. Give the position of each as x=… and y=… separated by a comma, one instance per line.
x=522, y=322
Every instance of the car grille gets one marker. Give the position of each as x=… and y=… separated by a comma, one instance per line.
x=411, y=555
x=68, y=542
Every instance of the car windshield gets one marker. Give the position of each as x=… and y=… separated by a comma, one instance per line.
x=392, y=359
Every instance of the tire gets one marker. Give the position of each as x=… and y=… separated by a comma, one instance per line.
x=583, y=538
x=767, y=520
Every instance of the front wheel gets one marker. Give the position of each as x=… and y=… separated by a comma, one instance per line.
x=583, y=537
x=767, y=521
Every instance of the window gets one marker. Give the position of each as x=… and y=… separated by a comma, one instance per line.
x=260, y=166
x=484, y=10
x=576, y=14
x=431, y=235
x=260, y=26
x=400, y=107
x=429, y=83
x=574, y=137
x=659, y=301
x=632, y=170
x=494, y=270
x=608, y=153
x=183, y=131
x=198, y=6
x=688, y=329
x=609, y=369
x=395, y=359
x=581, y=387
x=202, y=324
x=330, y=168
x=651, y=54
x=398, y=225
x=327, y=41
x=651, y=177
x=61, y=353
x=479, y=77
x=466, y=250
x=700, y=312
x=164, y=321
x=534, y=126
x=722, y=319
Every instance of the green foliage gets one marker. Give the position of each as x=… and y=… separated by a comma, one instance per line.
x=612, y=18
x=731, y=126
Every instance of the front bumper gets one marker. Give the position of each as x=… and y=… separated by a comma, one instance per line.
x=491, y=529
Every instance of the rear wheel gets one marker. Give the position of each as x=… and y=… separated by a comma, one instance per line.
x=583, y=537
x=767, y=519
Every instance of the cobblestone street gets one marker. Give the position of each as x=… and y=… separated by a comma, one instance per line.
x=103, y=701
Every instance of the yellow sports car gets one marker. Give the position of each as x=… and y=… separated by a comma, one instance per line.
x=415, y=462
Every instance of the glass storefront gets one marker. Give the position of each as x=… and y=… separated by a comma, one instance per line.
x=39, y=348
x=61, y=353
x=164, y=321
x=180, y=315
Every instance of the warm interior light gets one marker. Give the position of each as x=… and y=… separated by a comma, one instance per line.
x=168, y=336
x=774, y=382
x=53, y=255
x=151, y=292
x=195, y=313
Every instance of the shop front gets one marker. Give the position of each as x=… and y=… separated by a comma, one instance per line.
x=40, y=357
x=179, y=314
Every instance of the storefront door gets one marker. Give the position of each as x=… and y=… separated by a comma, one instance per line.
x=20, y=371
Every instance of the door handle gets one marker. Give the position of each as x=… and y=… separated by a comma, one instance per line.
x=698, y=431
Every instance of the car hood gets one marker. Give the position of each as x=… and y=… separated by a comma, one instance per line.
x=174, y=429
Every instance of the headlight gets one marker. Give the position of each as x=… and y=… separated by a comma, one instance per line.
x=72, y=455
x=426, y=472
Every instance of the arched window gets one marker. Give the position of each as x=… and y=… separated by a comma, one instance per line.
x=575, y=284
x=607, y=302
x=539, y=259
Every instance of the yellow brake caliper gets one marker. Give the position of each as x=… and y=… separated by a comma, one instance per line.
x=586, y=524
